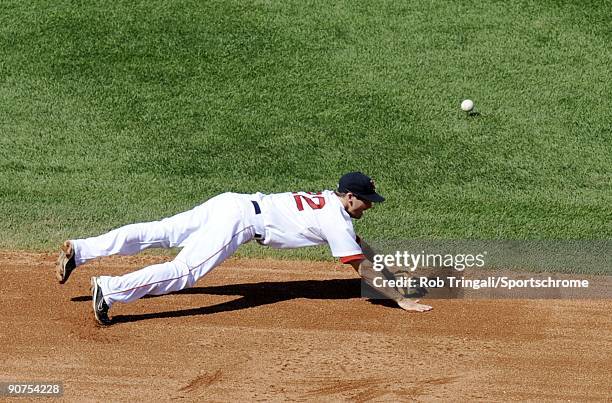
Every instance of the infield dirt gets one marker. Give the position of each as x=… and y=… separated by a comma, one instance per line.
x=285, y=330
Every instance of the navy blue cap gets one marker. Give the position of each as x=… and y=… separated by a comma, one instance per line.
x=360, y=185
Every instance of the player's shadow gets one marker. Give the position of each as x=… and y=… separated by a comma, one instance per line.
x=252, y=295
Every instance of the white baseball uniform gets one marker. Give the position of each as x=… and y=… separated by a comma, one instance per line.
x=212, y=231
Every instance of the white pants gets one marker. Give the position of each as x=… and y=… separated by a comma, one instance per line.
x=207, y=234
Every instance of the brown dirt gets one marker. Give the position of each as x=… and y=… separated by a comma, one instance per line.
x=274, y=330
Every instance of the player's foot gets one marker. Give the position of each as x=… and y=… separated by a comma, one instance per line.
x=99, y=305
x=410, y=305
x=65, y=262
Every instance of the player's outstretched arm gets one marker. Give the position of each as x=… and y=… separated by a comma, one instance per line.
x=365, y=269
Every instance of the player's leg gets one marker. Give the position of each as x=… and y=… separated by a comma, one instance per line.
x=224, y=230
x=133, y=238
x=128, y=240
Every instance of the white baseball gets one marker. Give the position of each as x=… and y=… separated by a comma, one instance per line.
x=467, y=105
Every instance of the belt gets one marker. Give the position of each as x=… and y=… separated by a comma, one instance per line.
x=258, y=237
x=256, y=205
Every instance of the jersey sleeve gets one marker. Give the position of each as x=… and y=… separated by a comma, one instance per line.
x=353, y=258
x=341, y=239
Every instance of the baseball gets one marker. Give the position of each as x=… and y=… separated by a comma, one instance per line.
x=467, y=105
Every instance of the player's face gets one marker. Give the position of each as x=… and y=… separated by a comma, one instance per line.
x=356, y=207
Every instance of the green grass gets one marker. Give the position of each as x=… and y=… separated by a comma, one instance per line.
x=117, y=112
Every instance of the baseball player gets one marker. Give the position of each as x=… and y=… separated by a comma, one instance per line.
x=212, y=231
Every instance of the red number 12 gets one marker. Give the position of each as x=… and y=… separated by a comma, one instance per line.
x=310, y=200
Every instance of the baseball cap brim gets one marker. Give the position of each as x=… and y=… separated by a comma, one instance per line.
x=373, y=197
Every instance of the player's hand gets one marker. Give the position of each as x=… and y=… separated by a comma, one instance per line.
x=409, y=305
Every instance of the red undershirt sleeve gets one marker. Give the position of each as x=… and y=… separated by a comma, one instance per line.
x=352, y=258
